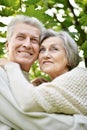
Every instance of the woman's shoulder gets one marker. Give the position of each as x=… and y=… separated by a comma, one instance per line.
x=72, y=79
x=79, y=70
x=78, y=73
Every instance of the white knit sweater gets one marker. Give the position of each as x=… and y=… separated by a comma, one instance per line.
x=65, y=94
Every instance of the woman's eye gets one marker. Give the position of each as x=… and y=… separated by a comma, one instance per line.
x=54, y=49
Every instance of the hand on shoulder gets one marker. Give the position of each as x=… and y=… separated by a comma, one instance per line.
x=39, y=81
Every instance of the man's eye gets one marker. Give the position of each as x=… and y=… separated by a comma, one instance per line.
x=20, y=37
x=41, y=50
x=33, y=40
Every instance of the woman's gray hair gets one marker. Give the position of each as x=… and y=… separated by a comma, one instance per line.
x=70, y=46
x=23, y=19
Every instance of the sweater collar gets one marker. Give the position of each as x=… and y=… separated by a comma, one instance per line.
x=26, y=74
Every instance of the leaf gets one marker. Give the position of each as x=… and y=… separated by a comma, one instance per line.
x=84, y=48
x=6, y=11
x=83, y=20
x=15, y=4
x=32, y=2
x=68, y=22
x=2, y=49
x=2, y=24
x=3, y=35
x=32, y=12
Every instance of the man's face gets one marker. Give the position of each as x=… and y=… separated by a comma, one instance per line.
x=23, y=46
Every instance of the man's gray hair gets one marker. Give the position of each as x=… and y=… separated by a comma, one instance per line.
x=23, y=19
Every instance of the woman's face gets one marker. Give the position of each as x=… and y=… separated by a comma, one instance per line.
x=52, y=57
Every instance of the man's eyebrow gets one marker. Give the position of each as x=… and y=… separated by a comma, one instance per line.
x=21, y=33
x=35, y=37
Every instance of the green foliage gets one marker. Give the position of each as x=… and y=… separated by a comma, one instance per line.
x=30, y=11
x=15, y=4
x=6, y=11
x=83, y=20
x=84, y=48
x=36, y=72
x=2, y=24
x=63, y=15
x=2, y=46
x=32, y=2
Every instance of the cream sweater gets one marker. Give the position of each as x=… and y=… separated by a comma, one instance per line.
x=13, y=118
x=65, y=94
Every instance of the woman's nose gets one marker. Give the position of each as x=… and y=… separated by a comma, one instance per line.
x=46, y=54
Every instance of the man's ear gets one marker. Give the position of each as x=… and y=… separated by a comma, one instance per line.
x=7, y=46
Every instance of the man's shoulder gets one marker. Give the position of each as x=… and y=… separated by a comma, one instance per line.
x=2, y=70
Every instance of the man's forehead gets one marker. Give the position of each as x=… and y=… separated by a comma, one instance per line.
x=21, y=26
x=27, y=31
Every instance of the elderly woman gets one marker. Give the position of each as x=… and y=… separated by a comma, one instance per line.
x=67, y=92
x=58, y=53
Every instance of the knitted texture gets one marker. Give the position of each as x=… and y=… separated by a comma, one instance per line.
x=65, y=94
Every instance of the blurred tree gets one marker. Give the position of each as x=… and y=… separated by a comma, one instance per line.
x=69, y=15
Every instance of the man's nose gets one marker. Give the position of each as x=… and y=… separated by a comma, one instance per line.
x=27, y=43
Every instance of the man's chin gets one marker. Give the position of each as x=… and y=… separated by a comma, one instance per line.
x=25, y=67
